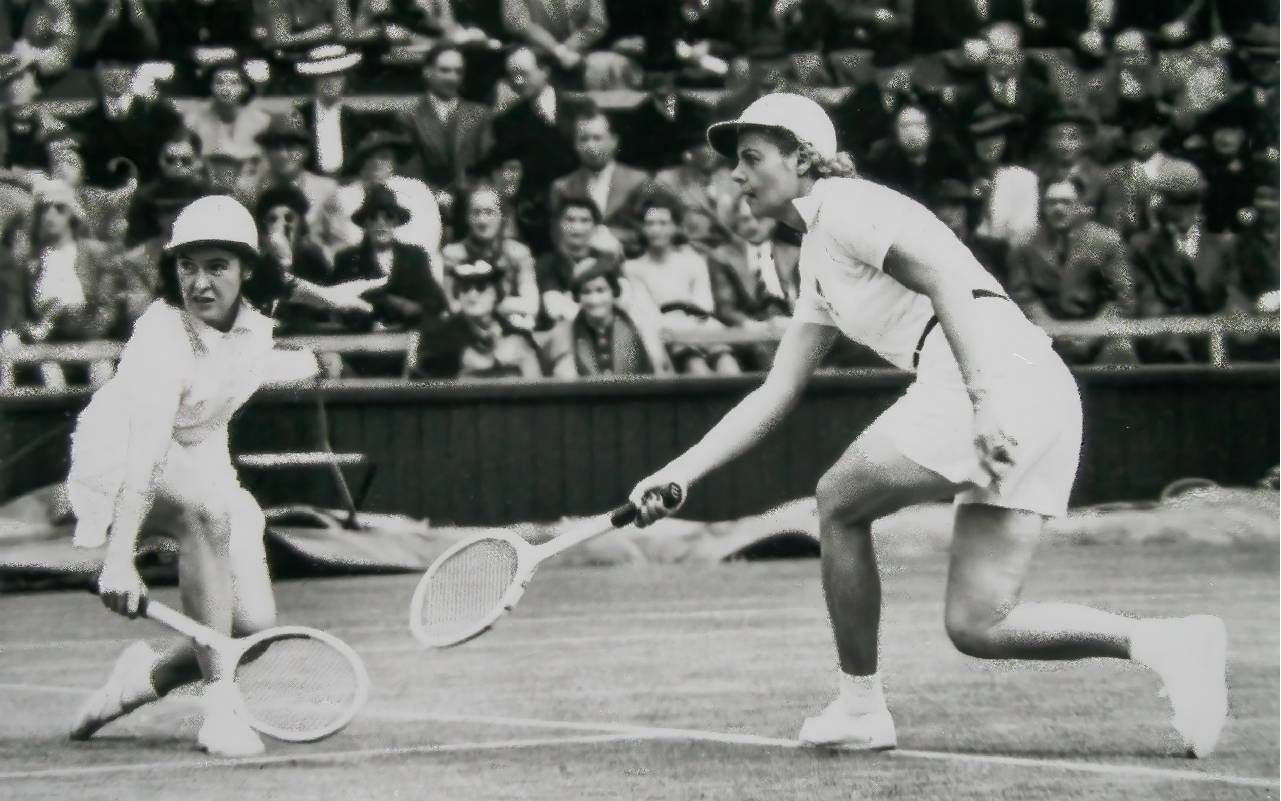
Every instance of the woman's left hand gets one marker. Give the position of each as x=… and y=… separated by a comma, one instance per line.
x=997, y=448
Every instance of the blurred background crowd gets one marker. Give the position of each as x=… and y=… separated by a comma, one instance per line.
x=526, y=183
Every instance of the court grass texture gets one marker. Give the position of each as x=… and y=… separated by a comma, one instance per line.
x=677, y=682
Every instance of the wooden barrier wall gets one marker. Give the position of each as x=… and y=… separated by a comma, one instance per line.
x=494, y=453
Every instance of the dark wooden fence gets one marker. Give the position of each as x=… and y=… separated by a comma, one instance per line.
x=492, y=453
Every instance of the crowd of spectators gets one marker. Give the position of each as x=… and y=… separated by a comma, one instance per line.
x=546, y=204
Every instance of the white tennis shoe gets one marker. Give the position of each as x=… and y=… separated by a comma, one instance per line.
x=224, y=731
x=838, y=727
x=127, y=688
x=1190, y=656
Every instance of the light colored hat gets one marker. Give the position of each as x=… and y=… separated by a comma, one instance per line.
x=327, y=60
x=48, y=192
x=219, y=219
x=801, y=117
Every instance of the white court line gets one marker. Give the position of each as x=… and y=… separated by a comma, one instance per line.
x=43, y=688
x=320, y=756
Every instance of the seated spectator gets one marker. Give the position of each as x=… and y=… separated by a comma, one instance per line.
x=679, y=282
x=286, y=146
x=1073, y=25
x=537, y=132
x=705, y=187
x=47, y=39
x=614, y=187
x=1257, y=259
x=659, y=129
x=1182, y=268
x=1126, y=203
x=851, y=37
x=105, y=210
x=602, y=338
x=482, y=210
x=915, y=159
x=1130, y=76
x=566, y=29
x=866, y=114
x=1008, y=193
x=373, y=162
x=1226, y=163
x=24, y=126
x=1259, y=74
x=576, y=219
x=120, y=124
x=1007, y=85
x=200, y=34
x=1066, y=156
x=71, y=281
x=288, y=255
x=1173, y=24
x=1074, y=269
x=476, y=342
x=335, y=128
x=755, y=282
x=230, y=120
x=150, y=220
x=449, y=133
x=955, y=203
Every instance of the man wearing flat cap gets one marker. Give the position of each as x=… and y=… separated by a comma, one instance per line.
x=286, y=145
x=374, y=162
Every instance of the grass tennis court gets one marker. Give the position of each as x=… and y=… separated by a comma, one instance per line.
x=676, y=682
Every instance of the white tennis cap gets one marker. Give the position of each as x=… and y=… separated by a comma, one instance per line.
x=801, y=117
x=214, y=219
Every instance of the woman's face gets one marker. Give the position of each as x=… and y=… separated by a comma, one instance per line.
x=596, y=298
x=990, y=149
x=485, y=216
x=659, y=228
x=211, y=279
x=380, y=228
x=477, y=297
x=1227, y=141
x=228, y=87
x=55, y=221
x=770, y=178
x=281, y=220
x=912, y=130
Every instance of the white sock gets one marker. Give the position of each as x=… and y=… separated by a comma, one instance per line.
x=862, y=694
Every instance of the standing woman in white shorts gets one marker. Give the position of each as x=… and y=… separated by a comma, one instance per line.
x=151, y=450
x=992, y=419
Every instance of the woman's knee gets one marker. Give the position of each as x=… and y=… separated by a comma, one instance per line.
x=207, y=518
x=843, y=496
x=971, y=625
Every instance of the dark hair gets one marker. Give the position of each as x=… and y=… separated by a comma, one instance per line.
x=1071, y=180
x=578, y=202
x=610, y=276
x=592, y=113
x=662, y=200
x=438, y=50
x=180, y=134
x=251, y=88
x=170, y=290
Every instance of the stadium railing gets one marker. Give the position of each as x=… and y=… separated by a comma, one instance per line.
x=1216, y=330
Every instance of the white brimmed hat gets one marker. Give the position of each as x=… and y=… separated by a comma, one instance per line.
x=327, y=60
x=215, y=219
x=801, y=117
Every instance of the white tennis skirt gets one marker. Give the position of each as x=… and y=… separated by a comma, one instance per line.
x=933, y=423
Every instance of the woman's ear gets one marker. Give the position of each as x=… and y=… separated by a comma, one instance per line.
x=803, y=162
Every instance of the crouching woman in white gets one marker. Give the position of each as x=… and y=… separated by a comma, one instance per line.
x=151, y=450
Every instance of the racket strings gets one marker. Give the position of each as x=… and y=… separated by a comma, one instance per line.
x=468, y=588
x=298, y=685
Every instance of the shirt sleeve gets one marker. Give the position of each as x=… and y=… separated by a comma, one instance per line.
x=866, y=228
x=810, y=307
x=155, y=361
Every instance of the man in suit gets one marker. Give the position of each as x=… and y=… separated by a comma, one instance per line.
x=1007, y=85
x=334, y=127
x=916, y=157
x=286, y=147
x=1067, y=156
x=450, y=134
x=614, y=187
x=707, y=193
x=538, y=133
x=658, y=129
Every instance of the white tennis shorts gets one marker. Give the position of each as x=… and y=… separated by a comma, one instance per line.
x=933, y=423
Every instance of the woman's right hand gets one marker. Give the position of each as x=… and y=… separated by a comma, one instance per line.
x=120, y=587
x=647, y=497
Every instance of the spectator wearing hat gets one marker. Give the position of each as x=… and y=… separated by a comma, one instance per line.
x=915, y=157
x=1129, y=75
x=706, y=190
x=1007, y=192
x=450, y=134
x=231, y=120
x=482, y=212
x=1067, y=143
x=1126, y=203
x=286, y=146
x=1074, y=269
x=1182, y=268
x=334, y=127
x=71, y=281
x=47, y=39
x=602, y=339
x=1226, y=162
x=958, y=207
x=476, y=342
x=566, y=29
x=105, y=210
x=538, y=133
x=1006, y=84
x=120, y=124
x=614, y=187
x=374, y=162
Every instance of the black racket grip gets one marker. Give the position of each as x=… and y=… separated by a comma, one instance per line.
x=672, y=495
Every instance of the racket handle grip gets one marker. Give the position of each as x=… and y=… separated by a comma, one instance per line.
x=672, y=496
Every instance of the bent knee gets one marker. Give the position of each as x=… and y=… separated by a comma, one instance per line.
x=972, y=627
x=845, y=496
x=207, y=518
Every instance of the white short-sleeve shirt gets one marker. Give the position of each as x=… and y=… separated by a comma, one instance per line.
x=850, y=226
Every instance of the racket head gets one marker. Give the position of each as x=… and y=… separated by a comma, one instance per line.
x=299, y=684
x=469, y=587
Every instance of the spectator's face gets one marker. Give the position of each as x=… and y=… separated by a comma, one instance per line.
x=990, y=148
x=595, y=143
x=228, y=87
x=1061, y=206
x=1005, y=56
x=954, y=216
x=330, y=88
x=380, y=226
x=770, y=179
x=485, y=215
x=1132, y=51
x=210, y=279
x=379, y=166
x=1227, y=141
x=576, y=226
x=1145, y=142
x=222, y=174
x=22, y=90
x=659, y=229
x=286, y=159
x=179, y=160
x=527, y=78
x=1066, y=142
x=114, y=78
x=445, y=77
x=477, y=297
x=55, y=221
x=596, y=299
x=510, y=175
x=912, y=130
x=281, y=220
x=752, y=228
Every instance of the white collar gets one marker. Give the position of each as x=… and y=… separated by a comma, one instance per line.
x=248, y=321
x=810, y=205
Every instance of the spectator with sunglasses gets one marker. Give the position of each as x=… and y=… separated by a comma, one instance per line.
x=476, y=342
